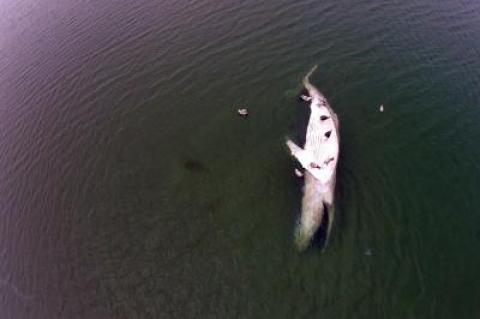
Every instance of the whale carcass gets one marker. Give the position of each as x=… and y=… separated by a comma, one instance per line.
x=319, y=158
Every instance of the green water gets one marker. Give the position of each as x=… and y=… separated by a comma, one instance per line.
x=130, y=188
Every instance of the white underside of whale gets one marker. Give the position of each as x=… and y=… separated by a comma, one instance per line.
x=320, y=153
x=319, y=156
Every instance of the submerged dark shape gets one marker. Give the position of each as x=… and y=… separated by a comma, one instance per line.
x=194, y=165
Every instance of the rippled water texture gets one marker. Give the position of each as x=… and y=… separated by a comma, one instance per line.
x=130, y=188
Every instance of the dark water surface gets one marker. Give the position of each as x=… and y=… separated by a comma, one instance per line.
x=129, y=188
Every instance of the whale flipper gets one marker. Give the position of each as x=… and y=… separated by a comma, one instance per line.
x=306, y=158
x=303, y=156
x=294, y=148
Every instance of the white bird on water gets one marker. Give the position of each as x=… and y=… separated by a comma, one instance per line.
x=306, y=98
x=243, y=112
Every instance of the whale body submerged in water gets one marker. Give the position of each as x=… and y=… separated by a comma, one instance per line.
x=319, y=158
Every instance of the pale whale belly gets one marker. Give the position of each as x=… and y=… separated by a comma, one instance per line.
x=322, y=143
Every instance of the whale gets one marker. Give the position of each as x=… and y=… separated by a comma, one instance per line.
x=318, y=159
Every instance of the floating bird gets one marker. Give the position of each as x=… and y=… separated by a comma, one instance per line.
x=243, y=112
x=381, y=108
x=306, y=98
x=298, y=173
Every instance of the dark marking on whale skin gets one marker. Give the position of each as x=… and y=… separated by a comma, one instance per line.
x=324, y=117
x=314, y=165
x=329, y=160
x=327, y=134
